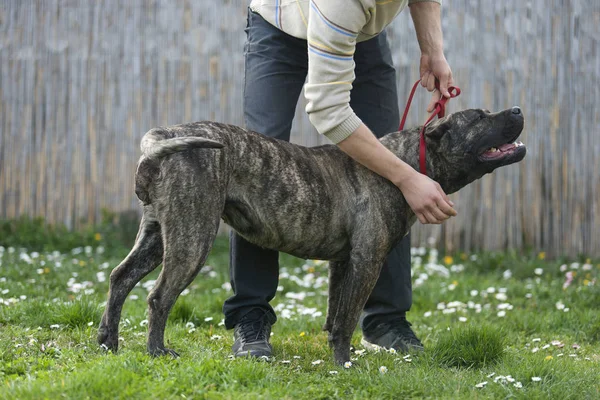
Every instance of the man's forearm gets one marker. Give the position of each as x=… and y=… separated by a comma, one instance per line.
x=426, y=16
x=364, y=147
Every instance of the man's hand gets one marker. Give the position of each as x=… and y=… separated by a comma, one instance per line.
x=426, y=198
x=426, y=16
x=435, y=67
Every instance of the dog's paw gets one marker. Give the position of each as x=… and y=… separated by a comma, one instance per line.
x=162, y=351
x=106, y=342
x=342, y=361
x=341, y=356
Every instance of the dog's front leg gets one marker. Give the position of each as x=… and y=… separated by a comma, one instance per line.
x=336, y=275
x=353, y=282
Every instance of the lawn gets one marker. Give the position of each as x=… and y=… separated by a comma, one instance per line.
x=494, y=325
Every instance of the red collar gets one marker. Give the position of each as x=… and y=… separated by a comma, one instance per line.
x=440, y=110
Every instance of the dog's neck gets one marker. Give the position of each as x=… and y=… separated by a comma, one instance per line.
x=405, y=145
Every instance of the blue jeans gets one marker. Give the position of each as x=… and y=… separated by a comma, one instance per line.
x=276, y=65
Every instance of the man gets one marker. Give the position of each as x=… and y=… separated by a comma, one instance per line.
x=351, y=89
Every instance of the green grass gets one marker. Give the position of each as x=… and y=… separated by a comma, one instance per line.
x=470, y=347
x=522, y=333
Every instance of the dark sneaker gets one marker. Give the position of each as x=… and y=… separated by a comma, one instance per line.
x=251, y=336
x=393, y=334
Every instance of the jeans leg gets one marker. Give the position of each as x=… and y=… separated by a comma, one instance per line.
x=275, y=70
x=374, y=99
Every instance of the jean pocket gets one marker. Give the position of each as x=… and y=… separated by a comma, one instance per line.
x=257, y=31
x=250, y=28
x=251, y=18
x=248, y=16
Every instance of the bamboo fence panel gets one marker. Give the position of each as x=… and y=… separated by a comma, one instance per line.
x=82, y=80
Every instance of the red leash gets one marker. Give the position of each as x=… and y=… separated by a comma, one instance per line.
x=440, y=111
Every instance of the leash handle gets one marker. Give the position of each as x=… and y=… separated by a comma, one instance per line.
x=439, y=110
x=440, y=105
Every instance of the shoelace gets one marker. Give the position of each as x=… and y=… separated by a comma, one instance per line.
x=403, y=327
x=439, y=110
x=255, y=327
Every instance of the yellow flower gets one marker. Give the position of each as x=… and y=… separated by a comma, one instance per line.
x=542, y=255
x=46, y=270
x=310, y=270
x=548, y=358
x=448, y=260
x=588, y=261
x=302, y=333
x=463, y=256
x=586, y=282
x=81, y=263
x=98, y=237
x=455, y=283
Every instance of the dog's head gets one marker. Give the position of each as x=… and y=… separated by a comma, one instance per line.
x=466, y=145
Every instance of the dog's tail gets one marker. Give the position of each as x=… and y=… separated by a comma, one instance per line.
x=155, y=146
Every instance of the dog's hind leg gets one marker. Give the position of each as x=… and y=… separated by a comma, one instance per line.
x=145, y=256
x=349, y=295
x=187, y=244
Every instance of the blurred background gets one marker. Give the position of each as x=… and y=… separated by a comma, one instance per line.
x=81, y=81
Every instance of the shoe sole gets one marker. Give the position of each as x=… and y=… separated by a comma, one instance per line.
x=375, y=347
x=263, y=355
x=371, y=346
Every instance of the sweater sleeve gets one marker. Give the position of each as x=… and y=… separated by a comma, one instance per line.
x=331, y=33
x=420, y=1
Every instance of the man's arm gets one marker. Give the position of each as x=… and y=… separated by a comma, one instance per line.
x=426, y=16
x=332, y=30
x=424, y=196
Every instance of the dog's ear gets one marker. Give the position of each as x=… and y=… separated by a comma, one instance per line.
x=438, y=128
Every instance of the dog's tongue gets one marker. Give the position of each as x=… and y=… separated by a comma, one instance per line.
x=506, y=146
x=499, y=150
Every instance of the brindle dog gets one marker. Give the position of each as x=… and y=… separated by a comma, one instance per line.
x=313, y=203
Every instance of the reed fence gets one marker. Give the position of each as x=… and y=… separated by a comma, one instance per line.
x=82, y=80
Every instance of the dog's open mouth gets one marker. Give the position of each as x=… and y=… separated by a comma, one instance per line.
x=501, y=145
x=502, y=151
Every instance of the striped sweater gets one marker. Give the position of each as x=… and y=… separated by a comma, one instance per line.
x=332, y=28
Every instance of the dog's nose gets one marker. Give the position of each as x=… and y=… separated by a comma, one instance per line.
x=516, y=110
